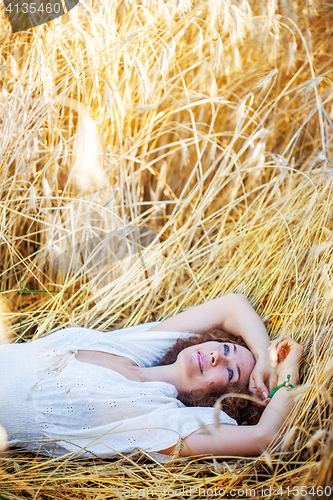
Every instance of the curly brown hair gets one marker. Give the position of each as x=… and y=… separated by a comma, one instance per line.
x=244, y=411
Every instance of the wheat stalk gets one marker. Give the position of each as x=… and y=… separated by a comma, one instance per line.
x=234, y=178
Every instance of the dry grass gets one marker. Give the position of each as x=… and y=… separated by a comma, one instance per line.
x=210, y=124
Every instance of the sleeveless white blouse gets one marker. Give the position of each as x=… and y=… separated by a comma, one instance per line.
x=53, y=404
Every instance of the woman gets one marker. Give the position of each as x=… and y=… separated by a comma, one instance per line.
x=102, y=393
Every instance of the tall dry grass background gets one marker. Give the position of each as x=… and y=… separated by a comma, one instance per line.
x=210, y=123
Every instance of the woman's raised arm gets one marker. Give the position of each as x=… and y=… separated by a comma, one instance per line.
x=234, y=313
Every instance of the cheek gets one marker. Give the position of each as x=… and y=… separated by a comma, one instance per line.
x=249, y=367
x=220, y=379
x=188, y=363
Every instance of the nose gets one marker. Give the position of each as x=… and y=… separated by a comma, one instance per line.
x=216, y=357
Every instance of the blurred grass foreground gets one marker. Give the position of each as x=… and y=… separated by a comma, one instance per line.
x=156, y=154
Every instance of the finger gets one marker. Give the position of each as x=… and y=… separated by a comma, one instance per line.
x=281, y=352
x=289, y=342
x=273, y=356
x=273, y=381
x=263, y=391
x=259, y=386
x=252, y=387
x=283, y=344
x=273, y=344
x=284, y=347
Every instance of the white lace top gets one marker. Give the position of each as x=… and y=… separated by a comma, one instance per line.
x=92, y=410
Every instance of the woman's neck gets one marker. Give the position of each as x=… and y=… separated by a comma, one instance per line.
x=164, y=373
x=128, y=368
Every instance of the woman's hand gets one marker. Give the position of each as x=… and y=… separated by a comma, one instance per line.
x=288, y=355
x=259, y=375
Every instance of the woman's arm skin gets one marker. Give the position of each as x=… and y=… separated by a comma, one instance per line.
x=254, y=439
x=245, y=440
x=234, y=313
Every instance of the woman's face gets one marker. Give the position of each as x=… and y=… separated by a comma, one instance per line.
x=213, y=363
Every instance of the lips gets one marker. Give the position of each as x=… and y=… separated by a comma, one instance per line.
x=201, y=361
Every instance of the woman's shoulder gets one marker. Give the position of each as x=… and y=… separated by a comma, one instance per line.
x=139, y=343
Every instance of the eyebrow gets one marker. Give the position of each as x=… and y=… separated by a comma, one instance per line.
x=238, y=369
x=239, y=373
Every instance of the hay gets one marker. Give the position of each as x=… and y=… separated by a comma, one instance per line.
x=210, y=124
